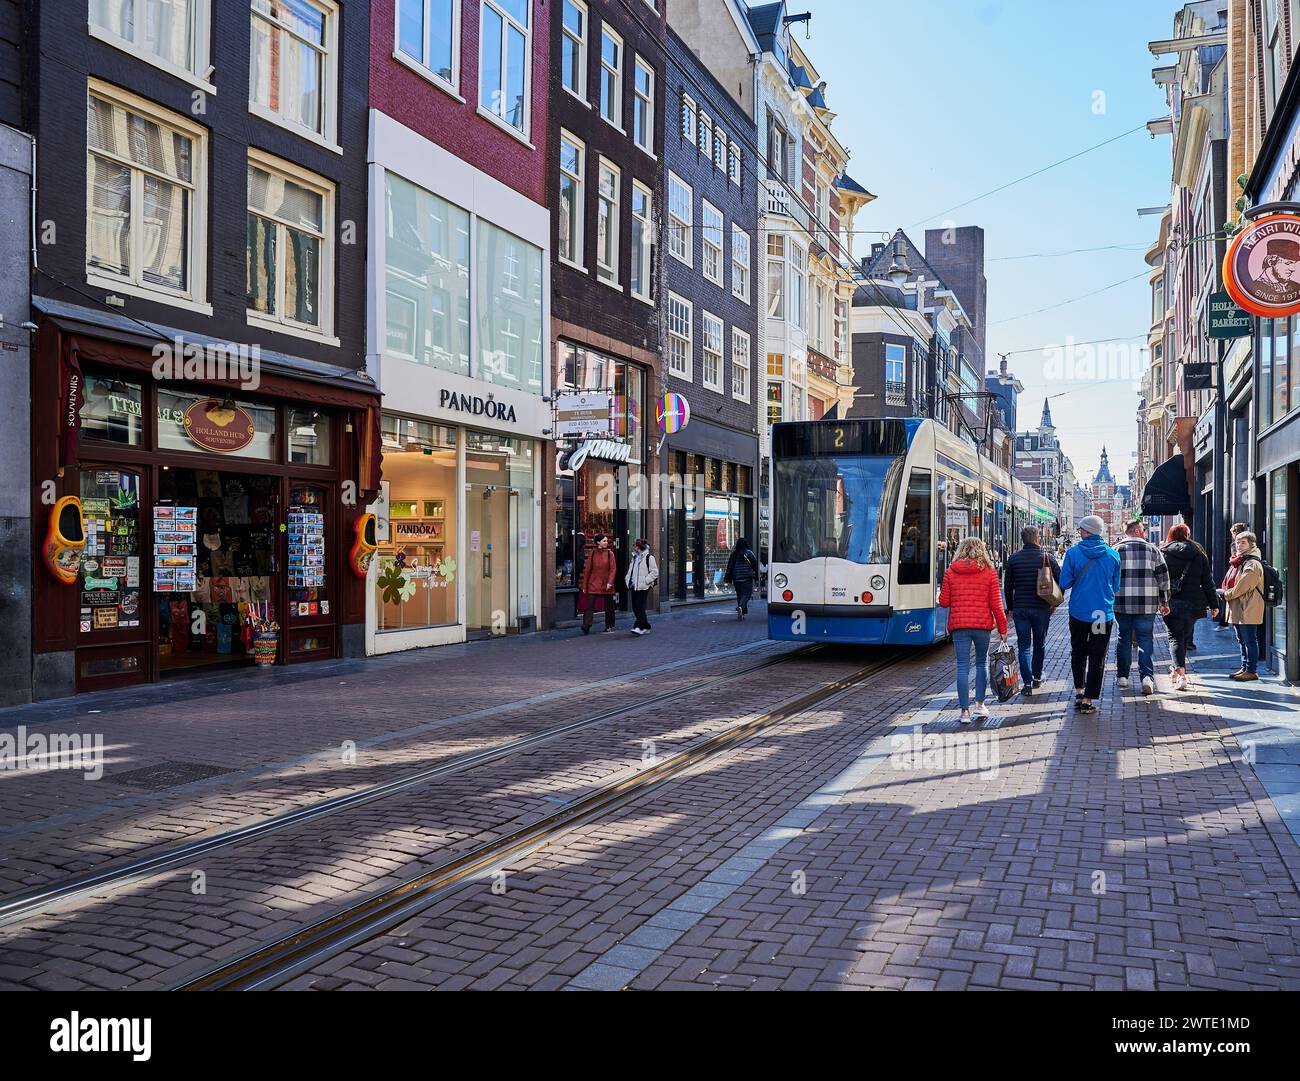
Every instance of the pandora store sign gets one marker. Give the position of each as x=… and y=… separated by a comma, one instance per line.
x=452, y=398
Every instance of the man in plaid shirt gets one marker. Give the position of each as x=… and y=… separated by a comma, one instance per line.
x=1143, y=591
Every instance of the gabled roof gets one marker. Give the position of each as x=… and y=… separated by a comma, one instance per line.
x=846, y=183
x=878, y=266
x=765, y=19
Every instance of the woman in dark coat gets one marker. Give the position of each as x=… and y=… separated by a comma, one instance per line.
x=1191, y=593
x=598, y=576
x=742, y=571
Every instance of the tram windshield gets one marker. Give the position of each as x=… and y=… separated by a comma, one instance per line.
x=835, y=506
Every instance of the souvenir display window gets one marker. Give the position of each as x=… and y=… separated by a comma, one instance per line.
x=109, y=578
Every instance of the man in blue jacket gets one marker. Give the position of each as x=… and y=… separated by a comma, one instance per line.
x=1091, y=573
x=1029, y=611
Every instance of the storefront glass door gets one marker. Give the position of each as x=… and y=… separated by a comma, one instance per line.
x=488, y=586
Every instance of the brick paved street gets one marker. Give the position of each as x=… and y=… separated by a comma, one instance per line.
x=1148, y=847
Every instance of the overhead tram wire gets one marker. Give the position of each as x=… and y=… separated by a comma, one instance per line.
x=1072, y=300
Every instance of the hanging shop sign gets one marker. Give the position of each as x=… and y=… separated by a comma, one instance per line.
x=1198, y=376
x=607, y=450
x=218, y=426
x=582, y=414
x=673, y=413
x=1226, y=320
x=1261, y=270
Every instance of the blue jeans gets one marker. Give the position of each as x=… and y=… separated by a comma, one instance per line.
x=1031, y=623
x=1132, y=625
x=1248, y=636
x=962, y=641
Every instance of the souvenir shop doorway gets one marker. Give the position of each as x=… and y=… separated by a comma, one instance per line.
x=214, y=563
x=219, y=565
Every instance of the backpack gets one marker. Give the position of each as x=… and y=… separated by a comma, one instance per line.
x=1272, y=584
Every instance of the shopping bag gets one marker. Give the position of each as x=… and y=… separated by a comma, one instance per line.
x=1049, y=590
x=1004, y=674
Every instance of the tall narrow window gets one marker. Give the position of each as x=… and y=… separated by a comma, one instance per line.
x=705, y=142
x=144, y=201
x=611, y=76
x=739, y=263
x=733, y=163
x=680, y=199
x=774, y=396
x=573, y=48
x=172, y=34
x=290, y=254
x=428, y=33
x=607, y=222
x=914, y=537
x=643, y=107
x=679, y=336
x=509, y=284
x=688, y=118
x=572, y=204
x=642, y=240
x=775, y=276
x=777, y=149
x=711, y=238
x=711, y=351
x=895, y=377
x=719, y=148
x=798, y=286
x=740, y=359
x=293, y=64
x=505, y=61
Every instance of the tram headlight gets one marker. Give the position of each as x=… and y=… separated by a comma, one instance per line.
x=877, y=582
x=780, y=581
x=787, y=596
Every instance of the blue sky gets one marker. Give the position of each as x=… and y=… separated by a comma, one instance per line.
x=942, y=100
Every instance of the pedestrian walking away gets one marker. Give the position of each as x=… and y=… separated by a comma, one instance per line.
x=1191, y=594
x=971, y=593
x=1243, y=593
x=1026, y=607
x=596, y=588
x=1143, y=591
x=742, y=572
x=1091, y=573
x=642, y=577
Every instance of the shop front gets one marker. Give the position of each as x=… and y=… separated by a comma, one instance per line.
x=711, y=507
x=601, y=486
x=199, y=525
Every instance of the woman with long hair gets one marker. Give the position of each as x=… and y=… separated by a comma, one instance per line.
x=1243, y=594
x=742, y=572
x=973, y=596
x=1191, y=593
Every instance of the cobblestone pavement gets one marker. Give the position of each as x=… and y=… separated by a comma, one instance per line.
x=1135, y=849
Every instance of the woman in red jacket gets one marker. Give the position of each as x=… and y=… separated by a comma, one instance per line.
x=971, y=593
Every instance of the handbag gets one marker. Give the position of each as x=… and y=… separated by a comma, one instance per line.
x=1004, y=672
x=1049, y=589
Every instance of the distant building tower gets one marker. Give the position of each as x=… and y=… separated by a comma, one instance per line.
x=1104, y=490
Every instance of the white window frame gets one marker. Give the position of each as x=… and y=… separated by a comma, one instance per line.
x=777, y=304
x=797, y=300
x=688, y=118
x=708, y=247
x=194, y=298
x=708, y=322
x=523, y=134
x=739, y=368
x=733, y=163
x=686, y=339
x=327, y=138
x=580, y=208
x=719, y=148
x=421, y=66
x=278, y=323
x=608, y=272
x=645, y=258
x=704, y=139
x=580, y=43
x=641, y=101
x=616, y=120
x=199, y=73
x=741, y=270
x=676, y=219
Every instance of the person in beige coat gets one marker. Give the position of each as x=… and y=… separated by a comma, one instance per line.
x=1243, y=594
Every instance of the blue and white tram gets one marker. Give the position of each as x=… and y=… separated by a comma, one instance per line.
x=864, y=517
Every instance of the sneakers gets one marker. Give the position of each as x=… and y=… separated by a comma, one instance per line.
x=1086, y=707
x=1037, y=683
x=981, y=711
x=1122, y=682
x=637, y=631
x=1148, y=685
x=965, y=716
x=1027, y=690
x=1244, y=677
x=1180, y=681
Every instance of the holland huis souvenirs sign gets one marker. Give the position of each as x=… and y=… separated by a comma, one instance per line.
x=218, y=426
x=1226, y=319
x=1261, y=270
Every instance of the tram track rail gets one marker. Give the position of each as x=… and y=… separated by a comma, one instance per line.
x=273, y=964
x=22, y=906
